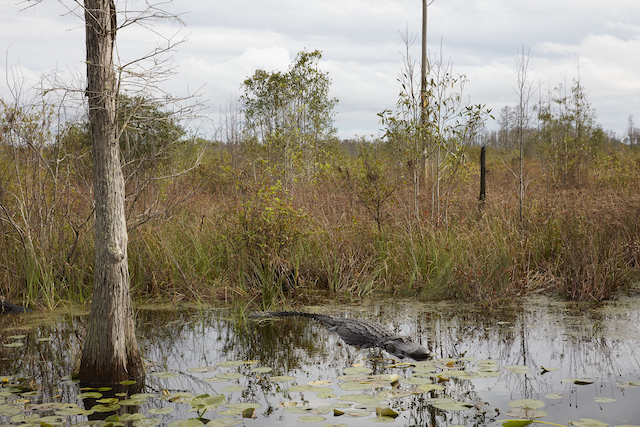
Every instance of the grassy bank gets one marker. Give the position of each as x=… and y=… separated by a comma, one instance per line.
x=244, y=235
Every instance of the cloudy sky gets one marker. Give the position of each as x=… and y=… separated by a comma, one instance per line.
x=362, y=48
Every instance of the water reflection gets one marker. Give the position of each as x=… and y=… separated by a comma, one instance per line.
x=571, y=341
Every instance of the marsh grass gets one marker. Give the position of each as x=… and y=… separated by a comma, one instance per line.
x=246, y=238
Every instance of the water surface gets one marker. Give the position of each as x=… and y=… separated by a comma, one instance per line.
x=484, y=360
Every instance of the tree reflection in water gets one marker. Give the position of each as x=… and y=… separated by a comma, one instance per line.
x=580, y=341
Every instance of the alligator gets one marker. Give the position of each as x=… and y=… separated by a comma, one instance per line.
x=361, y=333
x=7, y=307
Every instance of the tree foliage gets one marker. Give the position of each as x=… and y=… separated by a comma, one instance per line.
x=291, y=113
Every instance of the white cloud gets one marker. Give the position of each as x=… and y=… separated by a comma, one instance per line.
x=362, y=47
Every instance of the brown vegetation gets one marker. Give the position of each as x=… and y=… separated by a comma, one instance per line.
x=342, y=226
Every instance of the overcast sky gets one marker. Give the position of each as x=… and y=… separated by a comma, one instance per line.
x=362, y=48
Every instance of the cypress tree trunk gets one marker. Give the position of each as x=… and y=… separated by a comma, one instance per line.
x=110, y=353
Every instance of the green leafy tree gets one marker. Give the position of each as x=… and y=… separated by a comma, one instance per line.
x=290, y=113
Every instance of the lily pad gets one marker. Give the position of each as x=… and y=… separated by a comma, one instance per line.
x=230, y=376
x=234, y=363
x=245, y=405
x=394, y=394
x=386, y=412
x=357, y=370
x=281, y=378
x=604, y=400
x=519, y=369
x=450, y=404
x=161, y=411
x=588, y=422
x=205, y=401
x=527, y=403
x=311, y=388
x=261, y=370
x=24, y=418
x=191, y=422
x=165, y=375
x=89, y=395
x=14, y=344
x=201, y=369
x=352, y=386
x=131, y=417
x=555, y=396
x=224, y=422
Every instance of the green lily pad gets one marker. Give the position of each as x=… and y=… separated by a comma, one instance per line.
x=24, y=418
x=230, y=376
x=180, y=397
x=161, y=411
x=604, y=400
x=191, y=422
x=234, y=363
x=450, y=404
x=555, y=396
x=105, y=408
x=325, y=395
x=16, y=337
x=165, y=375
x=527, y=413
x=143, y=395
x=44, y=406
x=281, y=378
x=588, y=422
x=518, y=369
x=133, y=402
x=205, y=401
x=358, y=370
x=322, y=410
x=394, y=394
x=243, y=406
x=527, y=403
x=131, y=417
x=386, y=412
x=261, y=370
x=89, y=395
x=224, y=422
x=430, y=387
x=14, y=344
x=310, y=419
x=351, y=386
x=297, y=410
x=202, y=369
x=517, y=423
x=311, y=388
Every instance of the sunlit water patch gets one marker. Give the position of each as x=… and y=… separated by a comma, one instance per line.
x=554, y=362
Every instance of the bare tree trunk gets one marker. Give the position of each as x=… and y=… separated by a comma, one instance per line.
x=110, y=353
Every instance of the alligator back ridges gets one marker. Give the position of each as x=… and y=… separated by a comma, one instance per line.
x=360, y=333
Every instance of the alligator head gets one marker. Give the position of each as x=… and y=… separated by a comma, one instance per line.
x=402, y=347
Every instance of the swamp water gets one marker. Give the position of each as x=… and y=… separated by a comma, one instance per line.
x=557, y=363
